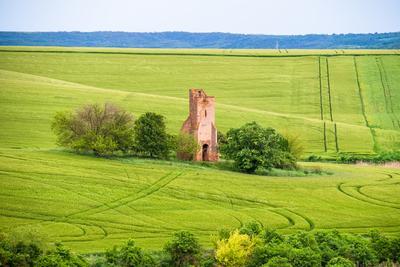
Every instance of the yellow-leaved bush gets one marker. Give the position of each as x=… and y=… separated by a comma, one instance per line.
x=235, y=250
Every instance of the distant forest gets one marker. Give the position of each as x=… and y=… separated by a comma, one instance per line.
x=201, y=40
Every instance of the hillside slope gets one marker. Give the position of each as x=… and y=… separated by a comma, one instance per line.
x=91, y=203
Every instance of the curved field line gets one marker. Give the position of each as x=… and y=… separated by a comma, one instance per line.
x=374, y=198
x=153, y=188
x=271, y=207
x=339, y=187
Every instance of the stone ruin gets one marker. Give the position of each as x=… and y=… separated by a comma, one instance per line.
x=201, y=124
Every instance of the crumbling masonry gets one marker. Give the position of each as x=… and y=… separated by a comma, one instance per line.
x=201, y=124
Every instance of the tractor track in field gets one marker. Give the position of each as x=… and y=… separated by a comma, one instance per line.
x=52, y=218
x=362, y=104
x=368, y=201
x=124, y=201
x=329, y=89
x=359, y=190
x=321, y=107
x=239, y=201
x=387, y=92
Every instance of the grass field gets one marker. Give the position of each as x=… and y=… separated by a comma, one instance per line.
x=336, y=101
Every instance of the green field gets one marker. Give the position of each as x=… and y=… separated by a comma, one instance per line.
x=335, y=100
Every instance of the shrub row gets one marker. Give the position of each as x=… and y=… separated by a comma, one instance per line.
x=250, y=246
x=382, y=157
x=108, y=130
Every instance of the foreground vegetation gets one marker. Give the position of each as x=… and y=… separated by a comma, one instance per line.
x=251, y=245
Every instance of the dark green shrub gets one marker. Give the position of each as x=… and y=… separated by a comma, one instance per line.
x=251, y=229
x=129, y=255
x=18, y=253
x=278, y=262
x=359, y=251
x=263, y=253
x=60, y=257
x=151, y=138
x=183, y=249
x=304, y=257
x=302, y=239
x=270, y=236
x=252, y=146
x=381, y=245
x=101, y=129
x=340, y=262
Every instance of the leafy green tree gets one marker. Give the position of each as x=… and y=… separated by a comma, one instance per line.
x=304, y=257
x=18, y=254
x=278, y=262
x=129, y=255
x=184, y=249
x=151, y=138
x=381, y=245
x=60, y=257
x=252, y=146
x=340, y=262
x=251, y=229
x=186, y=146
x=103, y=129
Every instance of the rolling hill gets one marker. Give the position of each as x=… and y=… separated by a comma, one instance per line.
x=335, y=100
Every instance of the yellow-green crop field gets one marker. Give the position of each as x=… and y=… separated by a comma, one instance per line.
x=334, y=100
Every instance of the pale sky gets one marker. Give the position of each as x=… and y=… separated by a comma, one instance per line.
x=236, y=16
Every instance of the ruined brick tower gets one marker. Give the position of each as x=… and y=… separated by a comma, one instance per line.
x=201, y=124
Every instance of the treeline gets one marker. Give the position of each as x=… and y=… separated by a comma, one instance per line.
x=249, y=246
x=201, y=40
x=379, y=158
x=107, y=130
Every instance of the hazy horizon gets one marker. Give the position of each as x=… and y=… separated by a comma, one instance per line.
x=265, y=17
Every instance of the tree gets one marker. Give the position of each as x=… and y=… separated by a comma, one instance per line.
x=60, y=257
x=252, y=146
x=186, y=146
x=340, y=262
x=278, y=262
x=183, y=249
x=101, y=129
x=129, y=255
x=234, y=251
x=151, y=138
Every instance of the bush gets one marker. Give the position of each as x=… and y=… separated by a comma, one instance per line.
x=252, y=146
x=235, y=250
x=60, y=257
x=151, y=138
x=18, y=253
x=340, y=262
x=94, y=128
x=278, y=262
x=304, y=257
x=128, y=255
x=251, y=229
x=186, y=146
x=183, y=249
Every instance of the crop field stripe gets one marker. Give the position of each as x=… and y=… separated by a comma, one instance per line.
x=325, y=146
x=320, y=89
x=329, y=89
x=362, y=103
x=387, y=93
x=336, y=137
